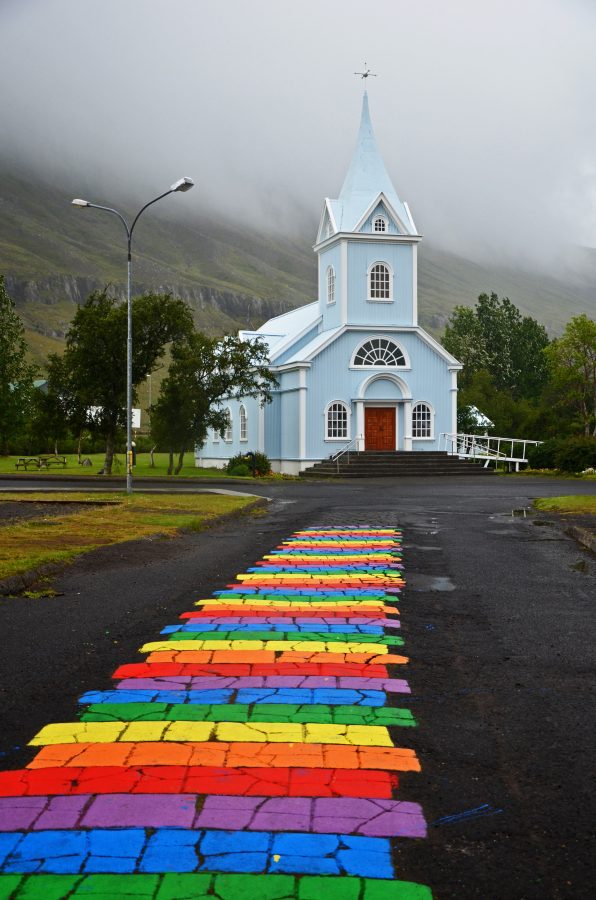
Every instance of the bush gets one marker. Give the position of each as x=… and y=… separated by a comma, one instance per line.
x=241, y=470
x=543, y=456
x=576, y=454
x=257, y=463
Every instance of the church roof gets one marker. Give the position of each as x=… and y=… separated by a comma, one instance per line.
x=367, y=178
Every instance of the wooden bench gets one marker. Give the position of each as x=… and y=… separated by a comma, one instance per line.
x=26, y=461
x=51, y=459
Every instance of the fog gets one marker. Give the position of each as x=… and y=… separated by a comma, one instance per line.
x=484, y=111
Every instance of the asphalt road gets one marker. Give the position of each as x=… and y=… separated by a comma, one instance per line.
x=499, y=621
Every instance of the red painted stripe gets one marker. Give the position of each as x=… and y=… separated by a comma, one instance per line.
x=367, y=612
x=264, y=782
x=160, y=670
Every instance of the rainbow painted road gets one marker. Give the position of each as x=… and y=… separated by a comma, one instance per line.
x=254, y=753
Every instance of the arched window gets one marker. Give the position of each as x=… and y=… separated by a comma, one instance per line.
x=229, y=430
x=337, y=421
x=379, y=282
x=380, y=224
x=330, y=285
x=243, y=423
x=379, y=352
x=422, y=420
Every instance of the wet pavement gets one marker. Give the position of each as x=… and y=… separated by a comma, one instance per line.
x=497, y=618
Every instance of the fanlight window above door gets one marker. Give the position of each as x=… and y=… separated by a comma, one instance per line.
x=379, y=352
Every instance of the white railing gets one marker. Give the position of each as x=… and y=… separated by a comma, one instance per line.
x=337, y=456
x=512, y=451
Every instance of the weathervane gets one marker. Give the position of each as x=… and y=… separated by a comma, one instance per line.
x=367, y=72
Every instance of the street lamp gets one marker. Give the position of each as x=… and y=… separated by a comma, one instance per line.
x=183, y=184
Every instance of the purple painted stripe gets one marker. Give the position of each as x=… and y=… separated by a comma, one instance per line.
x=217, y=682
x=373, y=818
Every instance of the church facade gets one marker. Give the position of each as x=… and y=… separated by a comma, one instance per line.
x=354, y=367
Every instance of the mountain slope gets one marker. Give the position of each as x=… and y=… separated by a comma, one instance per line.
x=233, y=276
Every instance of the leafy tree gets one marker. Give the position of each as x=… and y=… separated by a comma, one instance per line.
x=16, y=374
x=91, y=376
x=572, y=364
x=205, y=371
x=495, y=338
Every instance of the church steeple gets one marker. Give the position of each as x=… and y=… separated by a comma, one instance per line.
x=366, y=180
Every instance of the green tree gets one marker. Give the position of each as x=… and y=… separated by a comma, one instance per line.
x=572, y=365
x=16, y=374
x=494, y=337
x=92, y=380
x=204, y=372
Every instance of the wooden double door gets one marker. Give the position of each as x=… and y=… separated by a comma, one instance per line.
x=379, y=428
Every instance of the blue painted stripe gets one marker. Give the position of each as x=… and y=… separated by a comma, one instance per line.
x=304, y=696
x=282, y=629
x=128, y=850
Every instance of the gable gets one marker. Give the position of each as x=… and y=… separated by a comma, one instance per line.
x=380, y=212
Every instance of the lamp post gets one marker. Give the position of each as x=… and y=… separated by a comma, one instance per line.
x=183, y=184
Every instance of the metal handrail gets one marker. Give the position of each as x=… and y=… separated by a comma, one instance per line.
x=337, y=456
x=488, y=447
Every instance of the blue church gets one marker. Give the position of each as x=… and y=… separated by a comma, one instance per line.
x=354, y=367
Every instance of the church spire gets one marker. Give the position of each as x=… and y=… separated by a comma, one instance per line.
x=367, y=177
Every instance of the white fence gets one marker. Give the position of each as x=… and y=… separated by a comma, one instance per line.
x=512, y=451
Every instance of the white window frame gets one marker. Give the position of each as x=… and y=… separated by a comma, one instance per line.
x=380, y=366
x=346, y=407
x=369, y=275
x=383, y=219
x=330, y=283
x=243, y=422
x=215, y=435
x=431, y=412
x=229, y=430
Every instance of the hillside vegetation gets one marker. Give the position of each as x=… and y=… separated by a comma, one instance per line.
x=233, y=276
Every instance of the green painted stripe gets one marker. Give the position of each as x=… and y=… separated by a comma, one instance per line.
x=242, y=712
x=173, y=886
x=293, y=636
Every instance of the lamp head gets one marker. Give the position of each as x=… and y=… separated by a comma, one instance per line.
x=79, y=203
x=183, y=184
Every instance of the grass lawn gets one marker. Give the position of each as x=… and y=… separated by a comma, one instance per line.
x=142, y=469
x=31, y=543
x=572, y=504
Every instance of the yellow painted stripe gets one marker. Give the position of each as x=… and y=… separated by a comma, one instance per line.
x=302, y=576
x=286, y=646
x=255, y=600
x=261, y=732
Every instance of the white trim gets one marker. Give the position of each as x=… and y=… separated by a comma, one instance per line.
x=302, y=413
x=453, y=391
x=431, y=436
x=389, y=299
x=242, y=409
x=382, y=199
x=407, y=209
x=407, y=367
x=367, y=236
x=348, y=410
x=331, y=218
x=330, y=274
x=261, y=428
x=229, y=428
x=293, y=338
x=415, y=284
x=343, y=282
x=388, y=376
x=408, y=425
x=215, y=436
x=379, y=217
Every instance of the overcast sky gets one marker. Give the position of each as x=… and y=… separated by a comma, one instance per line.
x=485, y=112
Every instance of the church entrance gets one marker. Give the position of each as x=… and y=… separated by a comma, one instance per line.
x=379, y=428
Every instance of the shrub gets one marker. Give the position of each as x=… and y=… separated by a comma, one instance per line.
x=241, y=470
x=256, y=462
x=576, y=454
x=543, y=455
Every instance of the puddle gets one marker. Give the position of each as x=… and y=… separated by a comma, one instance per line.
x=417, y=582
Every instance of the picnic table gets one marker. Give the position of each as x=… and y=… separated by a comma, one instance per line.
x=42, y=461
